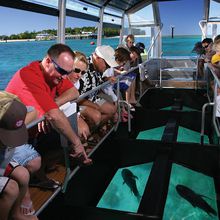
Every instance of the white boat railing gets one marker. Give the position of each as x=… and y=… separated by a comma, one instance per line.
x=154, y=42
x=84, y=95
x=216, y=106
x=146, y=73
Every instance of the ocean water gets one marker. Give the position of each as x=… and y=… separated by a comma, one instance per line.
x=14, y=55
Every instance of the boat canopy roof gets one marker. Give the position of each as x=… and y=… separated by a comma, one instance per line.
x=114, y=10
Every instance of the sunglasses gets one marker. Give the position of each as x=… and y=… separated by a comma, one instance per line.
x=206, y=46
x=60, y=69
x=77, y=70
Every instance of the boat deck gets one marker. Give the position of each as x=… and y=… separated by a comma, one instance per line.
x=39, y=196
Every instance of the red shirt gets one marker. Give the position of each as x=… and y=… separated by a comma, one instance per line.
x=30, y=86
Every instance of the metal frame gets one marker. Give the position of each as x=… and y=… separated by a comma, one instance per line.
x=155, y=39
x=61, y=12
x=214, y=104
x=28, y=6
x=100, y=26
x=61, y=21
x=122, y=29
x=204, y=23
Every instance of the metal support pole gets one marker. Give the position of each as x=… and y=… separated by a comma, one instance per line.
x=203, y=121
x=100, y=26
x=122, y=29
x=61, y=21
x=129, y=25
x=214, y=30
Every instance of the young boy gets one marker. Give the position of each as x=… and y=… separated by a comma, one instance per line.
x=13, y=178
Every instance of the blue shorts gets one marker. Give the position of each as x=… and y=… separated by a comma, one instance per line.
x=24, y=153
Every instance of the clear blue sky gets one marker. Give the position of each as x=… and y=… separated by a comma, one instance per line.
x=183, y=14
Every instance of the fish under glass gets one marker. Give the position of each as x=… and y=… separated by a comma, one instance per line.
x=126, y=188
x=191, y=195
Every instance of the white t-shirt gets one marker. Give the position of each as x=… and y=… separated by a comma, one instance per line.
x=109, y=72
x=77, y=84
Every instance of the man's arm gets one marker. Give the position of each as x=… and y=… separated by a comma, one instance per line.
x=62, y=125
x=69, y=95
x=31, y=116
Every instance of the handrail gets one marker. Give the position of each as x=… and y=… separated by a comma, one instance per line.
x=154, y=41
x=103, y=85
x=202, y=29
x=216, y=79
x=202, y=133
x=187, y=69
x=214, y=104
x=35, y=122
x=214, y=117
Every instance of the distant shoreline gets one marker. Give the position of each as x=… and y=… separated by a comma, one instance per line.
x=27, y=40
x=16, y=40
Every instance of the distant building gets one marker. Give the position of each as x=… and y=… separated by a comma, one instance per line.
x=87, y=32
x=82, y=35
x=45, y=36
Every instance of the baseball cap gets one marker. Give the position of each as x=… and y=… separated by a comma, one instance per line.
x=13, y=131
x=106, y=53
x=215, y=58
x=140, y=46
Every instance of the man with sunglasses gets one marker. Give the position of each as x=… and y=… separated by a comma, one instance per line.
x=207, y=45
x=41, y=84
x=206, y=58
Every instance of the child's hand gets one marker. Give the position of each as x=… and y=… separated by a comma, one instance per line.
x=123, y=72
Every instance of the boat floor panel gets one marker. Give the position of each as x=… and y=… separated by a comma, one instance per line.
x=41, y=196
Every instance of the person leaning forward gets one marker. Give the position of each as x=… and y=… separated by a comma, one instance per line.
x=42, y=85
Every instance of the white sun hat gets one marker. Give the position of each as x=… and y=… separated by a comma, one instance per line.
x=107, y=53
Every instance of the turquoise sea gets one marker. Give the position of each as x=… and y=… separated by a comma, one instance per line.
x=14, y=55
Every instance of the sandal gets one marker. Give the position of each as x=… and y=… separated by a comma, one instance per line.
x=50, y=184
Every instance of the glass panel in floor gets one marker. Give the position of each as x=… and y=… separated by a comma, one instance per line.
x=191, y=195
x=126, y=188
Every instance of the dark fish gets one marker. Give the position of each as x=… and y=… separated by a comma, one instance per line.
x=195, y=199
x=130, y=179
